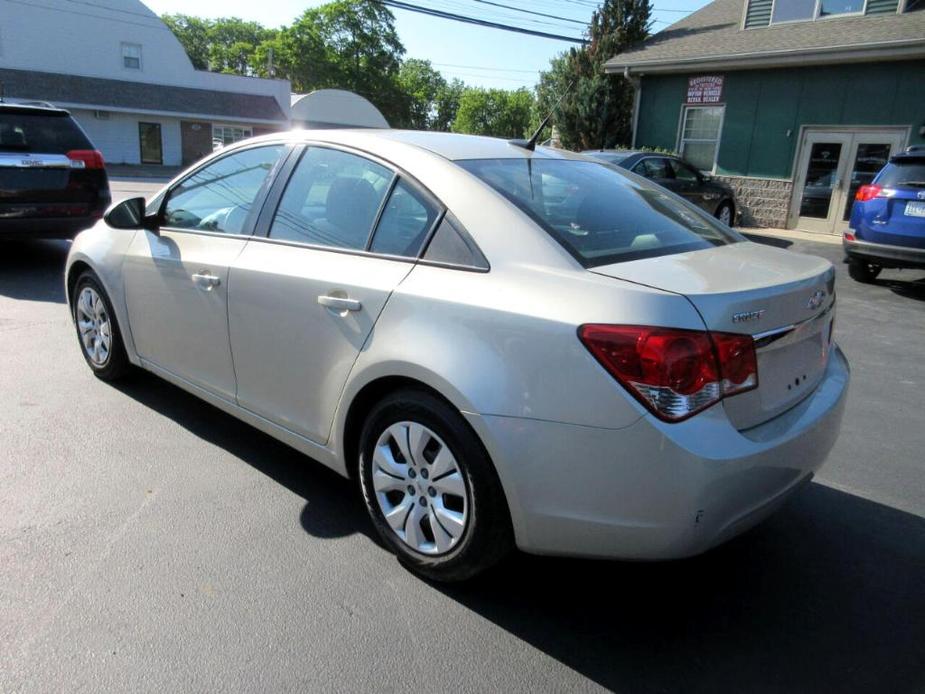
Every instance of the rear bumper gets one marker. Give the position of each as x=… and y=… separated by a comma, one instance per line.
x=654, y=490
x=46, y=227
x=885, y=255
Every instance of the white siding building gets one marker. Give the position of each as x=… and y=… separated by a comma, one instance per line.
x=126, y=78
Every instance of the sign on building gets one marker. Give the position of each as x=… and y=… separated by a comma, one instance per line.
x=706, y=89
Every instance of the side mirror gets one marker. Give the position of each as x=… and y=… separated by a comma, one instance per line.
x=130, y=214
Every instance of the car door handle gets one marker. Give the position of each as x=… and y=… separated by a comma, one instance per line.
x=339, y=303
x=205, y=281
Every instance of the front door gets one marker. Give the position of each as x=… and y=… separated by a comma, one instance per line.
x=176, y=281
x=831, y=167
x=149, y=138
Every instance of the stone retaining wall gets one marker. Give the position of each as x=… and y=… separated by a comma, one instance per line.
x=763, y=202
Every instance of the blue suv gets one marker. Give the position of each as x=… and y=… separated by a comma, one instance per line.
x=887, y=227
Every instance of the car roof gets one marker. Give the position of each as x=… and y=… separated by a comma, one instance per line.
x=914, y=153
x=36, y=108
x=452, y=146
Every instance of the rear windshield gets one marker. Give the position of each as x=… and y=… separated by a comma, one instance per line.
x=599, y=214
x=907, y=173
x=40, y=134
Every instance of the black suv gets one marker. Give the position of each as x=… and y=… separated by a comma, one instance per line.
x=52, y=180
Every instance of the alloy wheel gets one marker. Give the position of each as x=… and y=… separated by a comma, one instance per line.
x=419, y=488
x=94, y=326
x=725, y=215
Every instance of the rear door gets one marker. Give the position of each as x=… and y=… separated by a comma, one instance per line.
x=176, y=281
x=304, y=299
x=48, y=167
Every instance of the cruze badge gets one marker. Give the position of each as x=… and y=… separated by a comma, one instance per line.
x=746, y=316
x=815, y=301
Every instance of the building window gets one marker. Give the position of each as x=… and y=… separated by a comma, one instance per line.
x=131, y=56
x=805, y=10
x=224, y=135
x=700, y=134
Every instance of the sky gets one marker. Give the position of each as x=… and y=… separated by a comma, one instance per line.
x=477, y=55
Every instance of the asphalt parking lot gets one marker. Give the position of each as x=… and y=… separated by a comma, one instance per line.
x=149, y=542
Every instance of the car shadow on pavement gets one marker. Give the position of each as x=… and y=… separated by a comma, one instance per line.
x=33, y=270
x=333, y=508
x=827, y=595
x=914, y=289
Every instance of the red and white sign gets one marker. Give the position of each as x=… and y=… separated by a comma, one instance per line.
x=707, y=89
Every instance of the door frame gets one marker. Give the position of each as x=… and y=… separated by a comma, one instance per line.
x=160, y=143
x=798, y=172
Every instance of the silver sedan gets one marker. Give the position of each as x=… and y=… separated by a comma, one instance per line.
x=503, y=347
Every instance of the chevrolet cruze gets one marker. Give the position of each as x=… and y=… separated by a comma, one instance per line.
x=503, y=347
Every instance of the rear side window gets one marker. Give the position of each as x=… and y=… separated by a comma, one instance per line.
x=332, y=199
x=598, y=214
x=653, y=168
x=404, y=224
x=909, y=173
x=40, y=134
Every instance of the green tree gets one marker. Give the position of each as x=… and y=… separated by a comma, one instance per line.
x=422, y=85
x=347, y=44
x=193, y=34
x=597, y=110
x=495, y=112
x=232, y=43
x=446, y=104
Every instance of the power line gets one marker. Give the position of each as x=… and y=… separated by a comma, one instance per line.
x=482, y=67
x=538, y=14
x=440, y=14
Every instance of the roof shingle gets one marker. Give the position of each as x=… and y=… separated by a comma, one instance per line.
x=95, y=91
x=714, y=34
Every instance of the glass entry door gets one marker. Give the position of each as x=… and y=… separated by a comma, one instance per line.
x=832, y=166
x=149, y=137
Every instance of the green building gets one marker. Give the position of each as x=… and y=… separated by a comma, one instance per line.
x=795, y=103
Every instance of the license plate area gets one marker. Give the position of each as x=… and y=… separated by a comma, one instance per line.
x=915, y=209
x=789, y=369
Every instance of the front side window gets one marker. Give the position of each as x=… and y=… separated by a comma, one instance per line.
x=131, y=56
x=700, y=133
x=598, y=214
x=332, y=199
x=220, y=196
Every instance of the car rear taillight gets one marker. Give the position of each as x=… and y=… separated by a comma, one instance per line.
x=868, y=192
x=675, y=373
x=86, y=159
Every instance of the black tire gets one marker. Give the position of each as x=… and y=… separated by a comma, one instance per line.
x=116, y=364
x=487, y=536
x=726, y=206
x=862, y=271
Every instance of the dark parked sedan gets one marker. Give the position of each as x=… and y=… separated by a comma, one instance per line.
x=52, y=180
x=677, y=176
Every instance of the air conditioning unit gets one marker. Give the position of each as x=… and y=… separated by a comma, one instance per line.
x=101, y=115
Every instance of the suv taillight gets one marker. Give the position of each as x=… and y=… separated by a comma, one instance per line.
x=868, y=192
x=86, y=159
x=675, y=373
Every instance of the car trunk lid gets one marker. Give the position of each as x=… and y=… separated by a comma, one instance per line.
x=784, y=300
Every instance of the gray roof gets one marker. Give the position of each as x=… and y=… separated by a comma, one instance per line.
x=713, y=36
x=95, y=91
